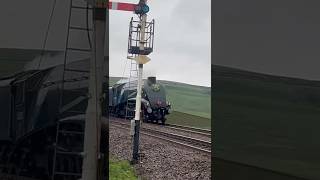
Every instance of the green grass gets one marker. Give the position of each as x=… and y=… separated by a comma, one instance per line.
x=269, y=122
x=195, y=100
x=121, y=170
x=233, y=170
x=188, y=120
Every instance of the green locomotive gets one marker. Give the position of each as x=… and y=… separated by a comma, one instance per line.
x=154, y=106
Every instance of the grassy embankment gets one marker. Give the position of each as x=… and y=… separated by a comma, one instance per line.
x=267, y=121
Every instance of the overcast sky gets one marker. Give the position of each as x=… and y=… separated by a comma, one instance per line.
x=182, y=45
x=182, y=35
x=275, y=37
x=279, y=37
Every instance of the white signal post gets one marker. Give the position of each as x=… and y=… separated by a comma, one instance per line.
x=92, y=132
x=140, y=62
x=141, y=59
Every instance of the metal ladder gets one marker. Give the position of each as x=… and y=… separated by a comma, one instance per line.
x=67, y=160
x=133, y=38
x=132, y=84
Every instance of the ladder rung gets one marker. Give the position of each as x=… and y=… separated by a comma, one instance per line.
x=82, y=92
x=70, y=132
x=81, y=7
x=80, y=28
x=76, y=79
x=80, y=112
x=67, y=174
x=73, y=111
x=76, y=70
x=73, y=103
x=69, y=153
x=78, y=49
x=77, y=112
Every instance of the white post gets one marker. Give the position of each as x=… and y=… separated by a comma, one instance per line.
x=139, y=87
x=93, y=114
x=136, y=121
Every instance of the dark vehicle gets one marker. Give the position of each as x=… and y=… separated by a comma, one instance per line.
x=154, y=107
x=42, y=122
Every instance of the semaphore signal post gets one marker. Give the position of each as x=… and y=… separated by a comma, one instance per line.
x=91, y=154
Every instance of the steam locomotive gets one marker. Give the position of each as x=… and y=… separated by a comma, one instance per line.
x=42, y=124
x=154, y=107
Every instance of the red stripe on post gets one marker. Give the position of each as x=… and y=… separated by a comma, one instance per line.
x=121, y=6
x=126, y=6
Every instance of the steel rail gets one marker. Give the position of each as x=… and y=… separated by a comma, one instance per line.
x=207, y=131
x=188, y=129
x=208, y=134
x=193, y=143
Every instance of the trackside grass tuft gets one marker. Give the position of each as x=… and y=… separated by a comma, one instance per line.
x=121, y=170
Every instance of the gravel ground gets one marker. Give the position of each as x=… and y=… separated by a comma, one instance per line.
x=160, y=159
x=169, y=130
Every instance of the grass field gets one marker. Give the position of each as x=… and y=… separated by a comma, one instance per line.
x=13, y=60
x=188, y=120
x=236, y=171
x=121, y=170
x=267, y=121
x=195, y=100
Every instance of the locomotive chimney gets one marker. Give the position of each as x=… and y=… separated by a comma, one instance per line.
x=152, y=80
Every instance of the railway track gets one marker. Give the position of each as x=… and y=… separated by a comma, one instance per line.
x=187, y=129
x=185, y=141
x=205, y=132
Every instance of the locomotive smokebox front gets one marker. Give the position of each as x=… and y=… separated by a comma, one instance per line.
x=152, y=80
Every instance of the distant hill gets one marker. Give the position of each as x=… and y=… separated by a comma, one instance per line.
x=13, y=60
x=267, y=121
x=186, y=98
